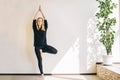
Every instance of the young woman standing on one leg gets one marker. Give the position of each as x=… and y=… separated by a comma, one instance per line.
x=40, y=26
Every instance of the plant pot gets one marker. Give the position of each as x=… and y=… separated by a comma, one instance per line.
x=107, y=60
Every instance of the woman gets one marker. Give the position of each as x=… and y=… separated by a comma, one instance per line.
x=40, y=26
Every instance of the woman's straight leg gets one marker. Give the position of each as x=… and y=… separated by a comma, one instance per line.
x=39, y=58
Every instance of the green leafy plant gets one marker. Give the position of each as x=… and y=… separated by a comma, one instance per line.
x=105, y=23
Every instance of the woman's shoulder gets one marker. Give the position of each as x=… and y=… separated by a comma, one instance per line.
x=34, y=20
x=34, y=23
x=45, y=19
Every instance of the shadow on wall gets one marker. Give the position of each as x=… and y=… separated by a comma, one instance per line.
x=71, y=58
x=59, y=63
x=94, y=47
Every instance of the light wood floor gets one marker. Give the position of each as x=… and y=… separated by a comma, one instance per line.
x=49, y=77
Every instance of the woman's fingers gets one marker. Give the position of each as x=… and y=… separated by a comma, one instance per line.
x=39, y=7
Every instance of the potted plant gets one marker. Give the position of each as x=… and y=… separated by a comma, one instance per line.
x=104, y=25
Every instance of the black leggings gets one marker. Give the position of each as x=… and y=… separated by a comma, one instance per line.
x=46, y=48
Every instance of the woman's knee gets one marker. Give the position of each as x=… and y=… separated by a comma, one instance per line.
x=55, y=51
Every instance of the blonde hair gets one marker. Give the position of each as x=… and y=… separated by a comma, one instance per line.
x=43, y=27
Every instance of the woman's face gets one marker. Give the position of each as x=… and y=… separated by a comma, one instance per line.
x=39, y=21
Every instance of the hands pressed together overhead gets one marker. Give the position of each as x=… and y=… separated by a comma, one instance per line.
x=39, y=10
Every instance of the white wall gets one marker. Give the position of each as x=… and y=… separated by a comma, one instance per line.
x=67, y=32
x=116, y=46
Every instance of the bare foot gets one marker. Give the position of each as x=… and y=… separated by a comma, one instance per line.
x=42, y=74
x=42, y=77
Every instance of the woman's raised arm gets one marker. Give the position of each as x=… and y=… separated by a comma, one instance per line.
x=41, y=12
x=35, y=17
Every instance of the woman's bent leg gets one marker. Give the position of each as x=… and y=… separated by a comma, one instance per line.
x=49, y=49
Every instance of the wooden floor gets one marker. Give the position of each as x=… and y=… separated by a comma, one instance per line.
x=49, y=77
